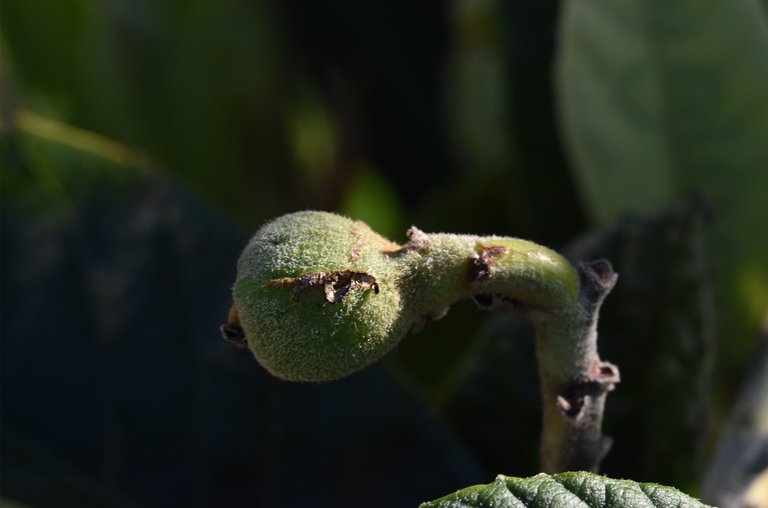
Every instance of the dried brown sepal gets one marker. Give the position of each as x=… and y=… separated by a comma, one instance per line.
x=232, y=331
x=417, y=239
x=480, y=264
x=335, y=284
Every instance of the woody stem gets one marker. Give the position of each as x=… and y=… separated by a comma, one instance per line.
x=574, y=381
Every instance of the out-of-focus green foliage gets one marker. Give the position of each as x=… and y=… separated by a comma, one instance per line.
x=664, y=98
x=440, y=114
x=370, y=198
x=735, y=476
x=117, y=389
x=198, y=85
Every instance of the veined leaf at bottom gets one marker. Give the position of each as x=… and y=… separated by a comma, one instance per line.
x=567, y=490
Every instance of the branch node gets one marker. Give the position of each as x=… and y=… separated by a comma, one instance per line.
x=418, y=240
x=572, y=399
x=597, y=280
x=604, y=373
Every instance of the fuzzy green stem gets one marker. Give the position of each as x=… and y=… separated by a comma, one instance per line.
x=521, y=272
x=561, y=302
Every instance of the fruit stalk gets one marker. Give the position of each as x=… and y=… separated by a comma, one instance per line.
x=319, y=296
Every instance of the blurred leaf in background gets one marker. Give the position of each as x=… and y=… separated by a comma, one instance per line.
x=117, y=262
x=199, y=85
x=659, y=100
x=116, y=387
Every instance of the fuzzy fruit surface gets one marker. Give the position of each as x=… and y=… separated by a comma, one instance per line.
x=298, y=334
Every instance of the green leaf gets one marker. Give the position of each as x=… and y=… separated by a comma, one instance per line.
x=565, y=490
x=657, y=96
x=659, y=99
x=199, y=86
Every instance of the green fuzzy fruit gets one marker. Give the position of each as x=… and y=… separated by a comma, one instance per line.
x=291, y=327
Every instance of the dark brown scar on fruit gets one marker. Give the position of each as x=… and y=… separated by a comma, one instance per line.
x=354, y=252
x=480, y=264
x=336, y=285
x=232, y=331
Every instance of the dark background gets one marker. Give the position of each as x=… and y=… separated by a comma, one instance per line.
x=143, y=142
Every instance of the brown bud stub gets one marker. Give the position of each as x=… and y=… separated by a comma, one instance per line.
x=480, y=264
x=232, y=331
x=417, y=239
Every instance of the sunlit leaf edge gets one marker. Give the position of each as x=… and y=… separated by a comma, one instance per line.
x=572, y=489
